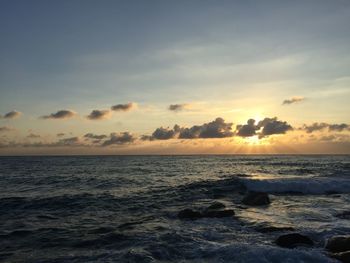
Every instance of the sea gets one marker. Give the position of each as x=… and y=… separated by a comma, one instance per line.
x=125, y=208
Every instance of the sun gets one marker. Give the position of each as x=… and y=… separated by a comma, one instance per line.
x=253, y=140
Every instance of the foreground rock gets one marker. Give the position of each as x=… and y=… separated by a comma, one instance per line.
x=256, y=199
x=338, y=244
x=293, y=240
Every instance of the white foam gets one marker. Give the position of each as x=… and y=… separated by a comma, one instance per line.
x=308, y=185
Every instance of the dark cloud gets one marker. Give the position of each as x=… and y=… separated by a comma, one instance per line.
x=293, y=100
x=61, y=114
x=95, y=136
x=321, y=126
x=99, y=114
x=338, y=127
x=247, y=130
x=61, y=134
x=119, y=139
x=12, y=115
x=314, y=127
x=215, y=129
x=123, y=107
x=73, y=141
x=33, y=136
x=177, y=107
x=271, y=126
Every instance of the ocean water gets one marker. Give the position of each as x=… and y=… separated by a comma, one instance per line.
x=124, y=208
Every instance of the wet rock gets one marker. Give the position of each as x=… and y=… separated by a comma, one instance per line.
x=293, y=240
x=269, y=229
x=342, y=256
x=216, y=206
x=189, y=214
x=338, y=244
x=219, y=213
x=256, y=199
x=344, y=215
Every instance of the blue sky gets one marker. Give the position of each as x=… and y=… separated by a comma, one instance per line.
x=230, y=59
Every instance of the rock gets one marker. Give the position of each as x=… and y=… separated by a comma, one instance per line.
x=216, y=206
x=256, y=199
x=189, y=214
x=344, y=215
x=343, y=256
x=269, y=229
x=219, y=213
x=293, y=240
x=338, y=244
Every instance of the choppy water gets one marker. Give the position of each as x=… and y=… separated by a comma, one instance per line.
x=124, y=208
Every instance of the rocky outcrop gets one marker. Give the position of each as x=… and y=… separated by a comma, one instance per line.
x=293, y=240
x=256, y=199
x=216, y=210
x=338, y=244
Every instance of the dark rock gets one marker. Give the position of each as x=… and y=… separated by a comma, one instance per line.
x=344, y=215
x=189, y=214
x=293, y=240
x=256, y=199
x=342, y=256
x=219, y=213
x=216, y=206
x=269, y=229
x=338, y=244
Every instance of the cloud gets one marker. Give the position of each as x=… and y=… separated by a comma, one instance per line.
x=33, y=136
x=123, y=107
x=119, y=139
x=11, y=115
x=338, y=127
x=61, y=134
x=215, y=129
x=61, y=114
x=314, y=127
x=271, y=126
x=72, y=141
x=293, y=100
x=177, y=107
x=321, y=126
x=6, y=129
x=99, y=115
x=265, y=127
x=95, y=136
x=247, y=130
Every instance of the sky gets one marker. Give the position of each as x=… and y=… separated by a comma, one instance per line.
x=174, y=77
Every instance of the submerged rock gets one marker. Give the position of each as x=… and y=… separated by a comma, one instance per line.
x=342, y=256
x=219, y=213
x=338, y=244
x=293, y=240
x=210, y=212
x=256, y=199
x=216, y=206
x=189, y=214
x=269, y=229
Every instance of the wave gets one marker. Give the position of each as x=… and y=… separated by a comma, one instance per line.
x=309, y=185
